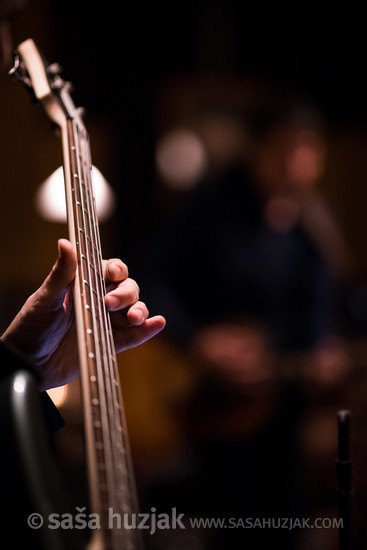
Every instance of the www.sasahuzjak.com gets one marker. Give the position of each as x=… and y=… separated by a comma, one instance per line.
x=155, y=521
x=266, y=523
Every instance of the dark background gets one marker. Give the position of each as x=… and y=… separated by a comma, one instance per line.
x=119, y=56
x=317, y=47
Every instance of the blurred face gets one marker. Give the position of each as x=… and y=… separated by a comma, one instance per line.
x=289, y=161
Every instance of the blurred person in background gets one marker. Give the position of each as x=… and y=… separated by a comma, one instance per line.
x=249, y=276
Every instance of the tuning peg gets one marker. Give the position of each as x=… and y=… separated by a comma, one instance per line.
x=18, y=71
x=80, y=112
x=54, y=69
x=59, y=84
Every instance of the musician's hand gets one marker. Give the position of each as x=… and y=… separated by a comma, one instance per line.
x=44, y=329
x=130, y=320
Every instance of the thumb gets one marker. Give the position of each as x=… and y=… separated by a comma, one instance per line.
x=63, y=272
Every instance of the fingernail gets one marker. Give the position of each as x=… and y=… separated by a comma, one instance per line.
x=115, y=271
x=139, y=317
x=112, y=301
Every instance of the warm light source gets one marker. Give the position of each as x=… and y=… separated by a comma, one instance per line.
x=181, y=159
x=50, y=198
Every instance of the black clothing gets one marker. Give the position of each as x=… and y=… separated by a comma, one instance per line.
x=219, y=260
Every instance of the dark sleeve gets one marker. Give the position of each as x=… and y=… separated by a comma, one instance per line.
x=51, y=415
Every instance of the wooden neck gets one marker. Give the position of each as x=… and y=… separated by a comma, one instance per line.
x=111, y=478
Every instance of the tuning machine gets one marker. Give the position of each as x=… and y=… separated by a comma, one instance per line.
x=18, y=71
